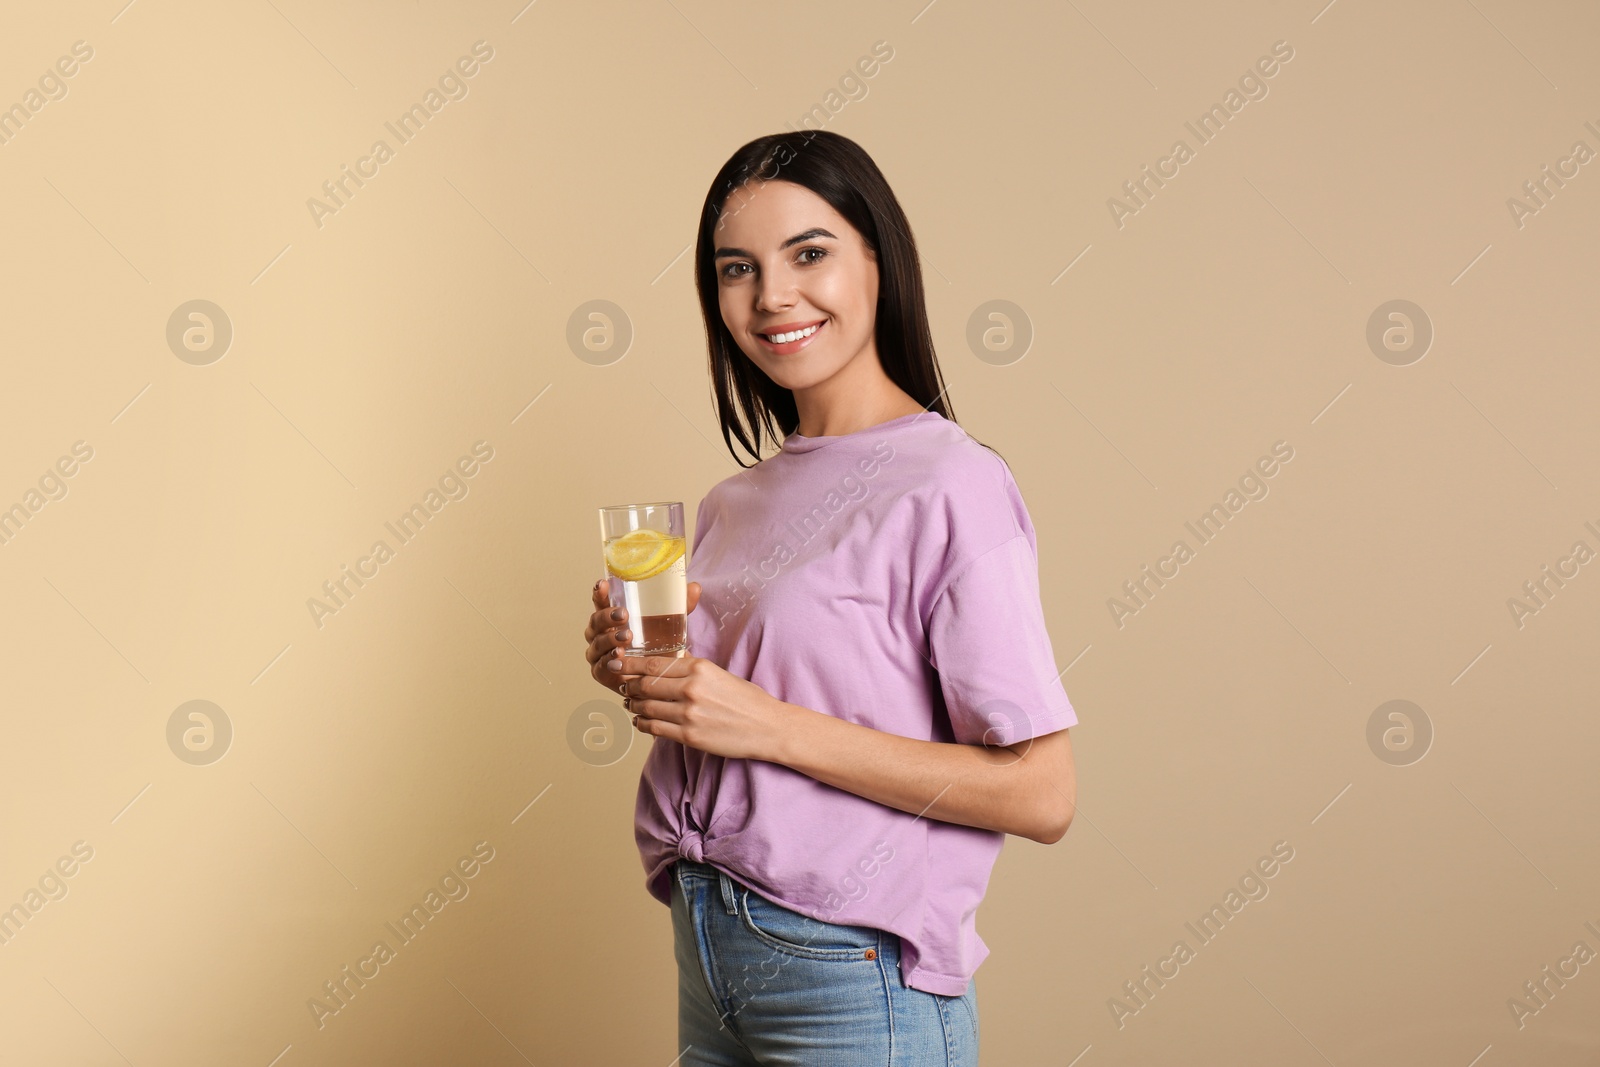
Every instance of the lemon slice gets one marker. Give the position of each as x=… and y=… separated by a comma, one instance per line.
x=641, y=554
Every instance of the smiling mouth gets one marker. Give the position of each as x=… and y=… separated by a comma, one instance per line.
x=792, y=340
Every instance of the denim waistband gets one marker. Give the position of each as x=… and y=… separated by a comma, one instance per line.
x=688, y=868
x=694, y=868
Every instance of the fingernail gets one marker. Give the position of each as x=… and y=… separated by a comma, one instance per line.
x=624, y=635
x=616, y=615
x=614, y=664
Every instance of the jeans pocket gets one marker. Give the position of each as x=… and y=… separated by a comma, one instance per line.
x=800, y=935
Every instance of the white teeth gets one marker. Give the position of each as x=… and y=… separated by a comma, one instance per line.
x=785, y=338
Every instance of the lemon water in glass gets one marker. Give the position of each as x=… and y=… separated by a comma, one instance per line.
x=646, y=559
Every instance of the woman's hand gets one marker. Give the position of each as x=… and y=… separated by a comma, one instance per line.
x=696, y=703
x=607, y=630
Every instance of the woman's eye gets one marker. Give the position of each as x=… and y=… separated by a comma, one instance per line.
x=733, y=270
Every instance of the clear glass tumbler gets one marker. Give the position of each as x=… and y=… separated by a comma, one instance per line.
x=646, y=558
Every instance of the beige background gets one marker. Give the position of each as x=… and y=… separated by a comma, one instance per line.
x=371, y=752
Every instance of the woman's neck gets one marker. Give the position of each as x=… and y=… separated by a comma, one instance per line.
x=848, y=403
x=858, y=415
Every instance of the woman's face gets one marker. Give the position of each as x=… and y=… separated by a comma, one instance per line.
x=787, y=262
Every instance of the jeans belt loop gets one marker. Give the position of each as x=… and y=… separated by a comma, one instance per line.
x=727, y=893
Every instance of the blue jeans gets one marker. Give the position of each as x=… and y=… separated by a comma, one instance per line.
x=764, y=986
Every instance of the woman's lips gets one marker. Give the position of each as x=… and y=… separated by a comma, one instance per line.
x=792, y=346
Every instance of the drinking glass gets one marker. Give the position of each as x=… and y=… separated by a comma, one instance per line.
x=646, y=560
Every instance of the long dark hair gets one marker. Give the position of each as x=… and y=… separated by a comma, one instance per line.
x=839, y=171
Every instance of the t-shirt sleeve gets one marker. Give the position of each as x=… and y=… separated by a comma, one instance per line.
x=987, y=639
x=699, y=525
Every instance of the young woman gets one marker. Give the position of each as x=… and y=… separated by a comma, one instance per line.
x=870, y=701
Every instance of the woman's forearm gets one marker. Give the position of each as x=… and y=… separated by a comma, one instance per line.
x=990, y=788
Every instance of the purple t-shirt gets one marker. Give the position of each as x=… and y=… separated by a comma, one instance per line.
x=890, y=578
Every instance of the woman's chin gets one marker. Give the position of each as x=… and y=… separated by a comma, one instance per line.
x=786, y=378
x=793, y=372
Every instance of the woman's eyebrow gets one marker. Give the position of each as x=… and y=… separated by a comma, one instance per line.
x=815, y=231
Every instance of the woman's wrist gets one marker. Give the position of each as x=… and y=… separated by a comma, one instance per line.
x=786, y=724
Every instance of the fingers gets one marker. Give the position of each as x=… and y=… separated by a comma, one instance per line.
x=601, y=596
x=607, y=643
x=600, y=621
x=604, y=617
x=604, y=645
x=598, y=599
x=602, y=604
x=606, y=632
x=646, y=667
